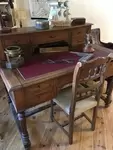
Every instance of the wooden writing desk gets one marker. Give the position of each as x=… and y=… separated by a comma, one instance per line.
x=24, y=94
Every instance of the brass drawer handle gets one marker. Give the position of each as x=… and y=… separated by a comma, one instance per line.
x=52, y=37
x=38, y=86
x=78, y=41
x=37, y=96
x=79, y=32
x=15, y=42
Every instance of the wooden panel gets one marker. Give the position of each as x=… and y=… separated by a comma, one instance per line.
x=35, y=98
x=77, y=41
x=78, y=36
x=18, y=99
x=15, y=40
x=63, y=80
x=38, y=88
x=10, y=80
x=47, y=37
x=77, y=48
x=38, y=99
x=78, y=31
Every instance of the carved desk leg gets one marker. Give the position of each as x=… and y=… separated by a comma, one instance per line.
x=109, y=92
x=23, y=130
x=21, y=124
x=13, y=112
x=108, y=98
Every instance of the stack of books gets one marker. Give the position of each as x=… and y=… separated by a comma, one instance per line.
x=60, y=46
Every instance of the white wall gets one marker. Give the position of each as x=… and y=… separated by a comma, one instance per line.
x=98, y=12
x=23, y=6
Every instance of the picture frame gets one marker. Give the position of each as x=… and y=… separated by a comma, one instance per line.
x=40, y=8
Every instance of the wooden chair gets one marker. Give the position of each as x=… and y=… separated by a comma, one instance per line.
x=82, y=96
x=96, y=39
x=95, y=33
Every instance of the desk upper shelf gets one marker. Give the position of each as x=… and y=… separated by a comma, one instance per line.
x=29, y=36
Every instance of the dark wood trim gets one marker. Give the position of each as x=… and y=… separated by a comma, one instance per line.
x=37, y=110
x=1, y=50
x=31, y=30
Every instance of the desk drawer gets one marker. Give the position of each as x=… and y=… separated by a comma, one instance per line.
x=39, y=93
x=15, y=40
x=48, y=37
x=78, y=36
x=77, y=40
x=62, y=81
x=78, y=32
x=39, y=88
x=34, y=99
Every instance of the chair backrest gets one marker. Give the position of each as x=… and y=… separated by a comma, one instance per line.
x=87, y=72
x=95, y=33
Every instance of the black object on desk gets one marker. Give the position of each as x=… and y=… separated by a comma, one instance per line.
x=53, y=44
x=50, y=45
x=77, y=21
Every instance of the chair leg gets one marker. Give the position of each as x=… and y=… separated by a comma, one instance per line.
x=51, y=113
x=94, y=118
x=71, y=126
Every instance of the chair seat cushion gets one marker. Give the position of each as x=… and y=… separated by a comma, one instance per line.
x=64, y=98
